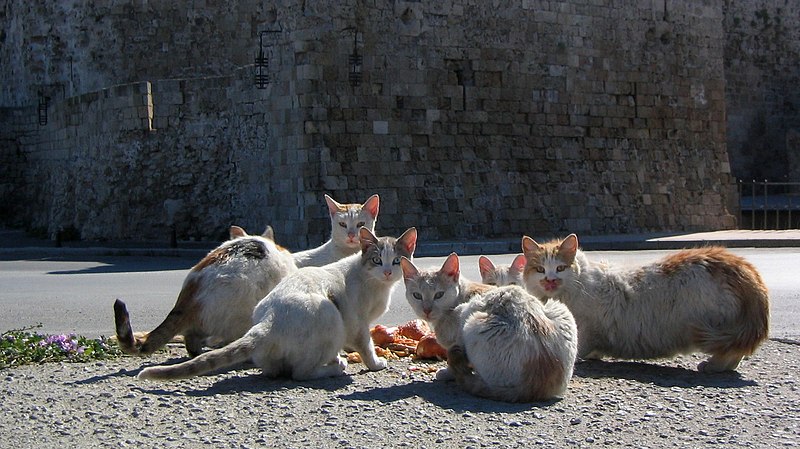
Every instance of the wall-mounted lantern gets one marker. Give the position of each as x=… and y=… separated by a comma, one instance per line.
x=355, y=61
x=44, y=102
x=262, y=61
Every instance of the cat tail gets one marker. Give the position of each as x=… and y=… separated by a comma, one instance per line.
x=751, y=327
x=459, y=365
x=544, y=380
x=177, y=321
x=235, y=352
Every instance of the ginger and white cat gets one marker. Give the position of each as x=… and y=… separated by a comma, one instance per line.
x=703, y=299
x=502, y=342
x=301, y=326
x=217, y=297
x=502, y=275
x=346, y=220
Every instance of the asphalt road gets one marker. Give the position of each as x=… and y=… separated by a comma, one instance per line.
x=72, y=295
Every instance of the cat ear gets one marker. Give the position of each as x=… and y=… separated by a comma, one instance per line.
x=371, y=206
x=451, y=267
x=268, y=233
x=568, y=248
x=485, y=265
x=518, y=265
x=236, y=231
x=366, y=238
x=529, y=246
x=409, y=270
x=333, y=206
x=408, y=241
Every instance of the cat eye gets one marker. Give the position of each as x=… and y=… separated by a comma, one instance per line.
x=396, y=261
x=540, y=269
x=377, y=260
x=342, y=224
x=360, y=224
x=417, y=296
x=561, y=268
x=438, y=295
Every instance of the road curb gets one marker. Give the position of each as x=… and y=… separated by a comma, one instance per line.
x=430, y=249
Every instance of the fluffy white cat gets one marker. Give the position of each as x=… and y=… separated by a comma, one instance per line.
x=502, y=342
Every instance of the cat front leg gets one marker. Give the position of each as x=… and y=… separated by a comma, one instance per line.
x=363, y=345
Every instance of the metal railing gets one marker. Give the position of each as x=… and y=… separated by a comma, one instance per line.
x=769, y=205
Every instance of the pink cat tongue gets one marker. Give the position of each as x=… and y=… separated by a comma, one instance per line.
x=550, y=285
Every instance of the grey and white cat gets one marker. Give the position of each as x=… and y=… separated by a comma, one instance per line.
x=502, y=342
x=502, y=275
x=218, y=295
x=346, y=220
x=703, y=299
x=301, y=326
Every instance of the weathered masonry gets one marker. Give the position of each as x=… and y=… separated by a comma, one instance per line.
x=471, y=119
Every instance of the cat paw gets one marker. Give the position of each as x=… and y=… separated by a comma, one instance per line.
x=710, y=367
x=444, y=374
x=378, y=364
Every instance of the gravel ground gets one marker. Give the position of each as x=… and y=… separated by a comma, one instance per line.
x=608, y=404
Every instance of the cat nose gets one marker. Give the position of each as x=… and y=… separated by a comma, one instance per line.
x=387, y=273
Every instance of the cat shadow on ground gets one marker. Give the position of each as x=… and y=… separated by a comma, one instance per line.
x=445, y=394
x=663, y=376
x=94, y=379
x=241, y=378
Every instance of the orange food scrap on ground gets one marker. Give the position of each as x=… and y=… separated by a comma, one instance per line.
x=429, y=348
x=413, y=338
x=382, y=335
x=414, y=329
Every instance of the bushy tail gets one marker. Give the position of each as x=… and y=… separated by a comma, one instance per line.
x=236, y=352
x=752, y=323
x=175, y=323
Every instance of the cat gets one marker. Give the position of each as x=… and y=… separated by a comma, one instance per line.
x=346, y=219
x=502, y=342
x=218, y=295
x=502, y=275
x=301, y=326
x=702, y=299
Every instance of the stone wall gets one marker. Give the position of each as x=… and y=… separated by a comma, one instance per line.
x=534, y=118
x=762, y=51
x=472, y=120
x=71, y=47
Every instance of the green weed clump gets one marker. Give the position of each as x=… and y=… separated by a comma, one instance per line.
x=23, y=347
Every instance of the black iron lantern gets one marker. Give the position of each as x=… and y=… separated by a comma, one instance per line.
x=262, y=62
x=355, y=61
x=44, y=102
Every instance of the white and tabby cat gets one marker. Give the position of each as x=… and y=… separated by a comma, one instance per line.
x=502, y=342
x=501, y=275
x=703, y=299
x=217, y=297
x=302, y=325
x=346, y=220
